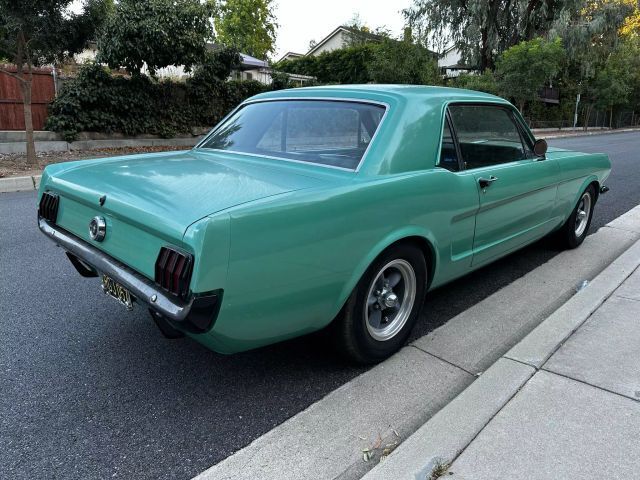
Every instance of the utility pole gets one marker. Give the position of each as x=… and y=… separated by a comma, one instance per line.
x=575, y=115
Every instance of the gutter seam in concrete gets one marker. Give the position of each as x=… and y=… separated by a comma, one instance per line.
x=443, y=360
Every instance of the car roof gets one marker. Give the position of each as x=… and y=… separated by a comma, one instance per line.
x=381, y=92
x=412, y=110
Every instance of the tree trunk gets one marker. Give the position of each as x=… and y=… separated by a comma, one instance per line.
x=587, y=115
x=25, y=89
x=484, y=60
x=611, y=118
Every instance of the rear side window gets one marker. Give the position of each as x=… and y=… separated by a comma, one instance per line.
x=448, y=153
x=487, y=135
x=326, y=132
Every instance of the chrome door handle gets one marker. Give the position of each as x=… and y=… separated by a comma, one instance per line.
x=486, y=182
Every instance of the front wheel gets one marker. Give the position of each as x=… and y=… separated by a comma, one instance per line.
x=575, y=229
x=381, y=311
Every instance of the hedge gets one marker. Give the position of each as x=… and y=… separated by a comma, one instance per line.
x=343, y=66
x=98, y=101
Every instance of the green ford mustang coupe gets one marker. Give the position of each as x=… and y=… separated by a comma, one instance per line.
x=313, y=207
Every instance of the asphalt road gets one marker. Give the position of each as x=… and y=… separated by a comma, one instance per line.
x=88, y=390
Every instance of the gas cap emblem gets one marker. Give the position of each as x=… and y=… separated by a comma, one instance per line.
x=97, y=228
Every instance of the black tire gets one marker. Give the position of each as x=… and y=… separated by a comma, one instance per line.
x=351, y=334
x=567, y=236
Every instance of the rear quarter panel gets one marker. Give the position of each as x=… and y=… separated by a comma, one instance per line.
x=294, y=261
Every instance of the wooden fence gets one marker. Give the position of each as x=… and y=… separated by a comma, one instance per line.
x=11, y=109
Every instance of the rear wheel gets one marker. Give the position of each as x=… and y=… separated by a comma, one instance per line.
x=575, y=229
x=382, y=309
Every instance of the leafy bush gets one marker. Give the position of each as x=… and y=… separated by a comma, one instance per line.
x=403, y=62
x=485, y=82
x=387, y=61
x=97, y=101
x=345, y=65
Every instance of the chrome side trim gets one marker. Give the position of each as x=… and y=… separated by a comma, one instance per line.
x=142, y=288
x=314, y=98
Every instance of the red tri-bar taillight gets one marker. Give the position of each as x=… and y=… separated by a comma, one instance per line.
x=48, y=207
x=173, y=271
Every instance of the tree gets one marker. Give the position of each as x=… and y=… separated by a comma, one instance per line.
x=359, y=33
x=403, y=62
x=631, y=25
x=248, y=26
x=155, y=33
x=523, y=69
x=589, y=37
x=41, y=32
x=482, y=29
x=617, y=79
x=483, y=82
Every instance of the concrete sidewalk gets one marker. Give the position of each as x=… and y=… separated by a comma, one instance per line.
x=563, y=403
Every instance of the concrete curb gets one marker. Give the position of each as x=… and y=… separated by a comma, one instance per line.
x=561, y=134
x=19, y=184
x=327, y=440
x=450, y=431
x=445, y=436
x=364, y=416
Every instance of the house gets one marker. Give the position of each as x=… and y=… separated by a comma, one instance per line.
x=290, y=56
x=250, y=68
x=341, y=37
x=451, y=64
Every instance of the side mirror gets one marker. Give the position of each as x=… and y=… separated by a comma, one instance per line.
x=540, y=147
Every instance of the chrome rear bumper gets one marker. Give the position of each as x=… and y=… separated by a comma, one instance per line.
x=198, y=312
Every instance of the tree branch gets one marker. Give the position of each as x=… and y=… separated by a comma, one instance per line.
x=11, y=74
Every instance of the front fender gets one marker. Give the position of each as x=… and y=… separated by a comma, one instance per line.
x=578, y=171
x=587, y=181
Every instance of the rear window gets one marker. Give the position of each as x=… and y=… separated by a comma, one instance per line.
x=331, y=133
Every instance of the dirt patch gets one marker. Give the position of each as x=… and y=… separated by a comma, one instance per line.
x=15, y=164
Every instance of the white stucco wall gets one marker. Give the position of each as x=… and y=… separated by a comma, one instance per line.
x=339, y=40
x=452, y=57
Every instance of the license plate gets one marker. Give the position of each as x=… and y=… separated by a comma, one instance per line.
x=117, y=291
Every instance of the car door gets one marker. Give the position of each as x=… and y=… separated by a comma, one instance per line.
x=517, y=190
x=454, y=204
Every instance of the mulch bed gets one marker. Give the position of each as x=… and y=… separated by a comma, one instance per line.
x=15, y=164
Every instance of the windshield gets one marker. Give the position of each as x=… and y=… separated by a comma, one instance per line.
x=326, y=132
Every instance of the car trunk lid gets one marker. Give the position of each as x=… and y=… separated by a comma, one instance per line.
x=170, y=191
x=148, y=201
